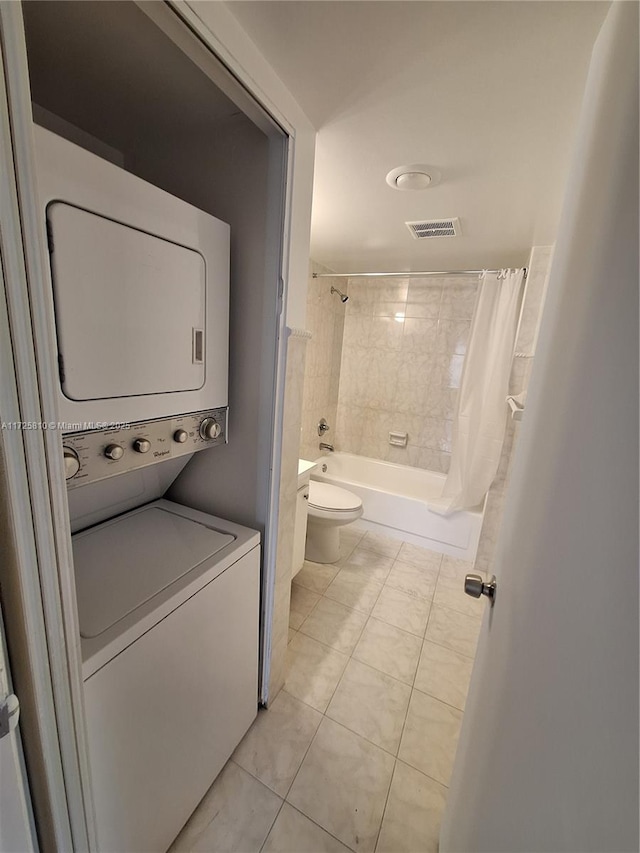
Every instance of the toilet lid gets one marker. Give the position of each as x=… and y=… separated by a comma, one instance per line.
x=326, y=496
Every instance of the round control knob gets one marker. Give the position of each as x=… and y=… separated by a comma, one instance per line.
x=180, y=435
x=141, y=445
x=71, y=462
x=210, y=429
x=114, y=451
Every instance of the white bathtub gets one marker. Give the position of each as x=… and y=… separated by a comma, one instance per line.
x=396, y=499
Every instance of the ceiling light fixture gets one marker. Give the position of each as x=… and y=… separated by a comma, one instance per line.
x=416, y=176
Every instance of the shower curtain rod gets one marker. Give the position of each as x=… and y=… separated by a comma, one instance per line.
x=403, y=274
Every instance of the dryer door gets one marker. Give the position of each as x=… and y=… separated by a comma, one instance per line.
x=130, y=308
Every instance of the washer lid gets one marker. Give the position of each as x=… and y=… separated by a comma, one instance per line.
x=123, y=563
x=326, y=496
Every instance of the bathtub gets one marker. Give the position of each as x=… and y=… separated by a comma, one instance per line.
x=395, y=499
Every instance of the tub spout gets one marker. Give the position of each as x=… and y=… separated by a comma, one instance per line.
x=324, y=446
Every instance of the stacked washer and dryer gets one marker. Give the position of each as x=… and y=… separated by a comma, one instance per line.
x=168, y=596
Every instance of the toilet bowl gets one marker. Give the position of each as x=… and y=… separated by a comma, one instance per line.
x=329, y=508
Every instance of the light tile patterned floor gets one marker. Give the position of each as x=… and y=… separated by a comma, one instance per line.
x=356, y=752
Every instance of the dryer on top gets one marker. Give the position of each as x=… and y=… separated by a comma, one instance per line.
x=140, y=292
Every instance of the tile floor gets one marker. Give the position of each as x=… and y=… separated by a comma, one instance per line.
x=356, y=752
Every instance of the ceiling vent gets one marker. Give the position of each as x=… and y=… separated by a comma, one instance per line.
x=435, y=228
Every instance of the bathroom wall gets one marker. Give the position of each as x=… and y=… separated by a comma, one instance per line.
x=402, y=344
x=403, y=348
x=325, y=321
x=294, y=381
x=538, y=275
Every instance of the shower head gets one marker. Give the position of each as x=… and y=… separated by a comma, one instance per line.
x=343, y=296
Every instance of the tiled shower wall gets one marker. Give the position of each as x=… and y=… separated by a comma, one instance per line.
x=294, y=379
x=403, y=348
x=325, y=320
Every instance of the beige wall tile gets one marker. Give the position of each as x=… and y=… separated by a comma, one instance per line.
x=418, y=338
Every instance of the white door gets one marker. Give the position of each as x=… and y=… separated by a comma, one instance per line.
x=17, y=833
x=548, y=755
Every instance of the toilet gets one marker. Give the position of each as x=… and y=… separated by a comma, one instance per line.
x=329, y=508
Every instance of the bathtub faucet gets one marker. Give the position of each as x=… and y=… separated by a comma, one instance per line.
x=324, y=446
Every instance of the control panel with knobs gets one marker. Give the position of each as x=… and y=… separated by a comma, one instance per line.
x=210, y=429
x=89, y=456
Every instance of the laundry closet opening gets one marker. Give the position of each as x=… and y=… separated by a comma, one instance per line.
x=135, y=86
x=161, y=182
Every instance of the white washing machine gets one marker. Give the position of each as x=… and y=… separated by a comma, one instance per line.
x=168, y=601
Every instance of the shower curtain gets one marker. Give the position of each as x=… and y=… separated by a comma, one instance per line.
x=480, y=418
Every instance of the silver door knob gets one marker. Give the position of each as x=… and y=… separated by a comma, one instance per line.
x=475, y=586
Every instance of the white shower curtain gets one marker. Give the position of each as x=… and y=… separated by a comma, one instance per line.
x=480, y=419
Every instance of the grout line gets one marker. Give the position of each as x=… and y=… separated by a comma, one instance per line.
x=338, y=683
x=448, y=648
x=326, y=645
x=309, y=613
x=362, y=547
x=395, y=627
x=451, y=610
x=364, y=737
x=361, y=736
x=306, y=704
x=422, y=773
x=437, y=698
x=413, y=766
x=315, y=822
x=455, y=609
x=386, y=801
x=315, y=735
x=273, y=822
